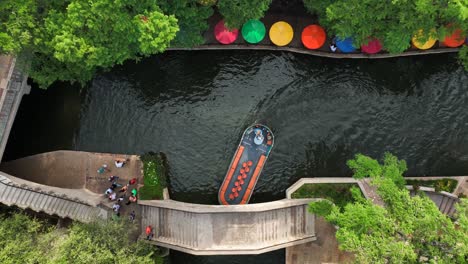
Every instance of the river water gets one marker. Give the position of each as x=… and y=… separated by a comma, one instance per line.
x=194, y=106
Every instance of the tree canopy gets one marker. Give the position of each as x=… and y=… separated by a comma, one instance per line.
x=392, y=22
x=237, y=12
x=192, y=20
x=407, y=230
x=70, y=40
x=27, y=240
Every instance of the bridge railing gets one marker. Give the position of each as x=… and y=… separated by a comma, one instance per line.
x=228, y=230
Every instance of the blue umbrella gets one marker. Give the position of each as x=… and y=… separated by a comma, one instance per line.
x=345, y=45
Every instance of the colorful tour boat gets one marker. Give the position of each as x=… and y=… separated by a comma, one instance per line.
x=246, y=165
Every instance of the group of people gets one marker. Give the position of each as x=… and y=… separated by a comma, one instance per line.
x=118, y=193
x=113, y=193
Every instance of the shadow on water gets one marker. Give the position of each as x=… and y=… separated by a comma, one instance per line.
x=275, y=257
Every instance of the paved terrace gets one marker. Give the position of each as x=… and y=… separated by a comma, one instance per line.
x=298, y=23
x=228, y=230
x=69, y=177
x=12, y=88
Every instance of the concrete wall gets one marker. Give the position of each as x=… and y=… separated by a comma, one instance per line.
x=228, y=230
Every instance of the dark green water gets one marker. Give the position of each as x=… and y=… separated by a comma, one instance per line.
x=194, y=106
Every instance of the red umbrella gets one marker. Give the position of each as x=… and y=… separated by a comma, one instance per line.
x=373, y=46
x=249, y=163
x=313, y=36
x=456, y=39
x=224, y=35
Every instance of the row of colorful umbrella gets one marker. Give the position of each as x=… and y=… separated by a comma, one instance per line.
x=314, y=37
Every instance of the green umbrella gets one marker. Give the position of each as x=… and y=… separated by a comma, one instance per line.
x=253, y=31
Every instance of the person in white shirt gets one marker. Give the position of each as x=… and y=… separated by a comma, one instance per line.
x=119, y=163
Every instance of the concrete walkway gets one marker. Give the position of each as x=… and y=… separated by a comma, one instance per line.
x=74, y=174
x=298, y=23
x=323, y=250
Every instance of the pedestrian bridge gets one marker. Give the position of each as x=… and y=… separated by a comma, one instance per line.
x=228, y=230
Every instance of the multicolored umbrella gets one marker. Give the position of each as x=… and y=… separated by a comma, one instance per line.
x=313, y=36
x=456, y=39
x=345, y=45
x=373, y=46
x=281, y=33
x=423, y=45
x=253, y=31
x=224, y=35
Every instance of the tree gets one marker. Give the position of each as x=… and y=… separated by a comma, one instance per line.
x=71, y=40
x=394, y=23
x=407, y=230
x=237, y=12
x=192, y=20
x=27, y=240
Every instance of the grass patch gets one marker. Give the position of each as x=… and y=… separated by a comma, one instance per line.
x=154, y=176
x=338, y=193
x=446, y=185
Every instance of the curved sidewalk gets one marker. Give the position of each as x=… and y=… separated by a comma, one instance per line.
x=298, y=23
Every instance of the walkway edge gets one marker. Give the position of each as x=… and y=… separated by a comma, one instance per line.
x=319, y=53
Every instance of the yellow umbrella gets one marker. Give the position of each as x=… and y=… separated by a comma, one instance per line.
x=281, y=33
x=426, y=45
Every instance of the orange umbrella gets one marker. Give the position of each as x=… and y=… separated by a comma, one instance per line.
x=456, y=39
x=313, y=37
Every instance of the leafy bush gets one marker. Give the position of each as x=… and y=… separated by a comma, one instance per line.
x=237, y=12
x=338, y=193
x=154, y=176
x=25, y=239
x=192, y=19
x=321, y=208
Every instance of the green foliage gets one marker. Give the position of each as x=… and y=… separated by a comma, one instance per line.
x=392, y=168
x=26, y=240
x=408, y=229
x=18, y=235
x=364, y=166
x=192, y=20
x=446, y=185
x=339, y=194
x=71, y=40
x=321, y=208
x=237, y=12
x=207, y=2
x=394, y=23
x=463, y=57
x=154, y=177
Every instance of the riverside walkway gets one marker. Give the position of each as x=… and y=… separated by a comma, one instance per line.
x=298, y=23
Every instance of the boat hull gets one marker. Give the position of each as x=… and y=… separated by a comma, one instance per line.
x=246, y=165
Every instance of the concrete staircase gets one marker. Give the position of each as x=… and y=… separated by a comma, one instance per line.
x=443, y=200
x=48, y=200
x=445, y=203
